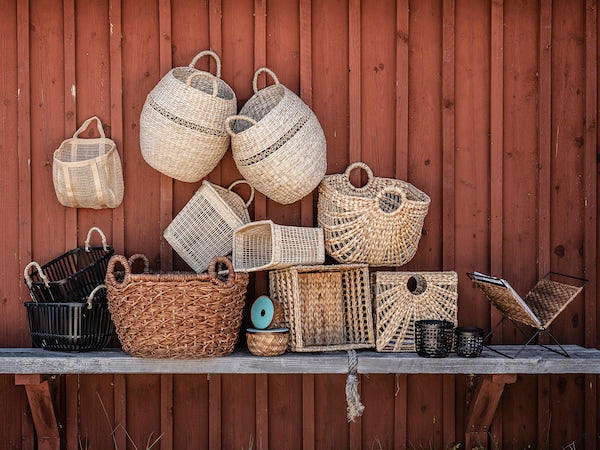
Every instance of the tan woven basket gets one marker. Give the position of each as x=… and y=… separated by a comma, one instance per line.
x=267, y=342
x=175, y=315
x=204, y=227
x=326, y=307
x=182, y=124
x=378, y=224
x=87, y=172
x=277, y=143
x=264, y=245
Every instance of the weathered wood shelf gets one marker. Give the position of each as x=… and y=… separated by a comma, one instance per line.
x=533, y=360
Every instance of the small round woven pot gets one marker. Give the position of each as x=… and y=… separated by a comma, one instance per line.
x=267, y=342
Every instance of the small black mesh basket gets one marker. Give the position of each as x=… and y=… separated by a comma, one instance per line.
x=72, y=276
x=468, y=341
x=433, y=338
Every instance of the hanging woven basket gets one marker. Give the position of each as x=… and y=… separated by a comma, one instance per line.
x=277, y=143
x=182, y=124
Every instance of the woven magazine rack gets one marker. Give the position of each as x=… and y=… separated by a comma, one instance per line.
x=277, y=143
x=174, y=314
x=182, y=124
x=403, y=298
x=378, y=224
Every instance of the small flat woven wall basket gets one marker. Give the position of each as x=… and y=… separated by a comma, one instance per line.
x=87, y=173
x=378, y=224
x=402, y=298
x=175, y=315
x=277, y=143
x=182, y=124
x=204, y=227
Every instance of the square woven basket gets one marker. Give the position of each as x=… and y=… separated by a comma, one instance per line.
x=402, y=298
x=326, y=307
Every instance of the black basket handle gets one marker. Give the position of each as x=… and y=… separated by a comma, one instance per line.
x=212, y=270
x=89, y=235
x=91, y=296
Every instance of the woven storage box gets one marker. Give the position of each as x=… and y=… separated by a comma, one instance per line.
x=75, y=326
x=72, y=276
x=326, y=307
x=277, y=143
x=87, y=173
x=204, y=227
x=182, y=124
x=378, y=224
x=264, y=245
x=402, y=298
x=174, y=314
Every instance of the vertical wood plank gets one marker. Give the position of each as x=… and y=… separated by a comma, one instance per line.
x=262, y=410
x=215, y=39
x=308, y=411
x=402, y=94
x=214, y=411
x=72, y=412
x=306, y=91
x=400, y=413
x=120, y=408
x=166, y=411
x=354, y=88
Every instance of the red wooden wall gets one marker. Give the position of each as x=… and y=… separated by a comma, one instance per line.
x=489, y=107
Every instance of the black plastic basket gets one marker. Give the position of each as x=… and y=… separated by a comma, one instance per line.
x=468, y=341
x=433, y=338
x=72, y=276
x=73, y=326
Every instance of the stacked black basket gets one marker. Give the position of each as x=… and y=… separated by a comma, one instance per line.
x=69, y=309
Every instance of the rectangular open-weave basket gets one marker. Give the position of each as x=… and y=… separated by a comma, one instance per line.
x=326, y=307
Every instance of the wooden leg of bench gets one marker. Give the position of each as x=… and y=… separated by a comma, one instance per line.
x=483, y=407
x=42, y=410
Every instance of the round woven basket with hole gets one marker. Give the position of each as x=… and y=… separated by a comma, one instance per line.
x=277, y=143
x=378, y=224
x=182, y=124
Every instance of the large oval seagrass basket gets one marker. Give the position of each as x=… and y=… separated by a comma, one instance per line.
x=277, y=143
x=182, y=124
x=378, y=224
x=174, y=314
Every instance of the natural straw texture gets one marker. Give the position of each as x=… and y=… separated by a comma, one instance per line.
x=182, y=124
x=264, y=245
x=277, y=143
x=326, y=307
x=267, y=343
x=403, y=298
x=378, y=224
x=175, y=315
x=87, y=173
x=204, y=227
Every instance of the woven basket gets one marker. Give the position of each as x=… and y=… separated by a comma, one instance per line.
x=402, y=298
x=175, y=315
x=267, y=342
x=264, y=245
x=87, y=172
x=277, y=143
x=378, y=224
x=326, y=307
x=204, y=227
x=182, y=124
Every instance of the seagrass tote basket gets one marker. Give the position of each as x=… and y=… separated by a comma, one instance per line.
x=277, y=143
x=175, y=314
x=182, y=124
x=403, y=298
x=378, y=224
x=87, y=173
x=204, y=227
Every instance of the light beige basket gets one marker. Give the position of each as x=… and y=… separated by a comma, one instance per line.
x=402, y=298
x=378, y=224
x=326, y=307
x=277, y=143
x=87, y=172
x=264, y=245
x=182, y=124
x=267, y=342
x=204, y=227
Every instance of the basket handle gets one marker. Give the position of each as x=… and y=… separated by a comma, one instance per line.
x=212, y=270
x=207, y=75
x=39, y=269
x=110, y=270
x=133, y=258
x=89, y=235
x=392, y=190
x=85, y=125
x=208, y=53
x=258, y=72
x=91, y=296
x=235, y=183
x=237, y=117
x=363, y=166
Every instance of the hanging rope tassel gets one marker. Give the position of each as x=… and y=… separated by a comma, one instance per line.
x=354, y=407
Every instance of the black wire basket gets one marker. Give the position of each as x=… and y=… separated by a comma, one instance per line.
x=468, y=341
x=72, y=326
x=433, y=338
x=72, y=276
